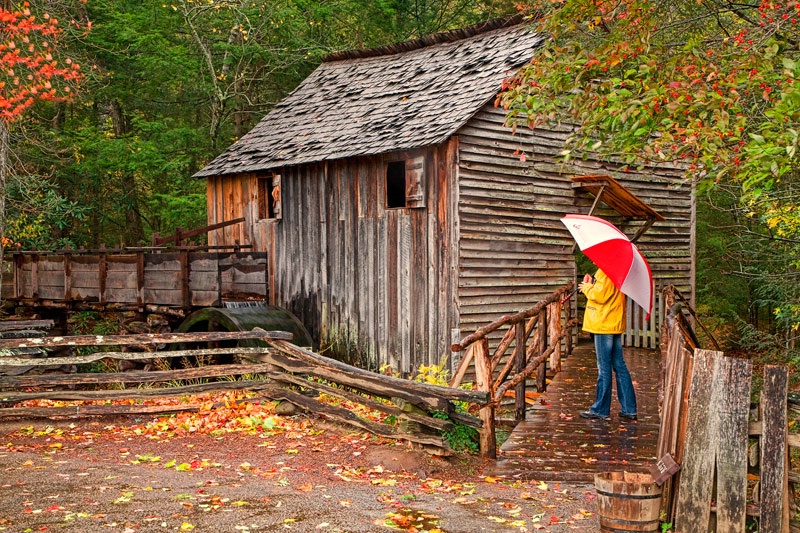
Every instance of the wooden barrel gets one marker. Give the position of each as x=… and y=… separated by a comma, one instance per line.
x=627, y=501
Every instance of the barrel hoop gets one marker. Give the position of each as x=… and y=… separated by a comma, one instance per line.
x=652, y=524
x=622, y=522
x=630, y=496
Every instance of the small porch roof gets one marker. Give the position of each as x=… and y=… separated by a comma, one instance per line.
x=617, y=197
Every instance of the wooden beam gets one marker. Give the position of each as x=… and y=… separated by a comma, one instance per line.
x=16, y=325
x=195, y=232
x=127, y=356
x=143, y=338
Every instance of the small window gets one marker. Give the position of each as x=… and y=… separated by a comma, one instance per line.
x=396, y=184
x=405, y=183
x=269, y=197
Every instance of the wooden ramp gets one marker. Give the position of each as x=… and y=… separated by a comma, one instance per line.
x=555, y=443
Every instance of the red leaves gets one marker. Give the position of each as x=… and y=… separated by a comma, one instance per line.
x=31, y=67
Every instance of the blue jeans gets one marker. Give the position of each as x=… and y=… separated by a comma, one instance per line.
x=609, y=357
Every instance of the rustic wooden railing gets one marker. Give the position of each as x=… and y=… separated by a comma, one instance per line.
x=181, y=235
x=736, y=459
x=533, y=336
x=277, y=371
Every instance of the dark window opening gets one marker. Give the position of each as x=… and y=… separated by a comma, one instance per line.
x=269, y=198
x=396, y=184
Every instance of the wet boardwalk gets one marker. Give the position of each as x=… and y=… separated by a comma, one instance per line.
x=554, y=443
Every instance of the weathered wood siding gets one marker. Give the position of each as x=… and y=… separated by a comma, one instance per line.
x=376, y=281
x=229, y=198
x=513, y=249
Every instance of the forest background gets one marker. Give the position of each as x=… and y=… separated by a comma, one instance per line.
x=166, y=85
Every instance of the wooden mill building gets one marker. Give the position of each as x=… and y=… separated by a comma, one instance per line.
x=398, y=212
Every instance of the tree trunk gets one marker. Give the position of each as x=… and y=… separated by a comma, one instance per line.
x=3, y=175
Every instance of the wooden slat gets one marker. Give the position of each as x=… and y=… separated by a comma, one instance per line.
x=773, y=484
x=731, y=405
x=697, y=469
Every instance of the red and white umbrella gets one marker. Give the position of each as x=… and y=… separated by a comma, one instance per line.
x=614, y=253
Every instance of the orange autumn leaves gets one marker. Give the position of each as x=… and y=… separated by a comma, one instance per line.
x=30, y=70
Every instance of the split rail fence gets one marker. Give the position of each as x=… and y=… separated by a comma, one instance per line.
x=278, y=370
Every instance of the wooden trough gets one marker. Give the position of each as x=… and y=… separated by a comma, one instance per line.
x=134, y=278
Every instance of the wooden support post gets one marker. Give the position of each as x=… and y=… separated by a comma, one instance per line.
x=102, y=274
x=67, y=277
x=186, y=297
x=519, y=366
x=567, y=318
x=35, y=276
x=483, y=379
x=554, y=334
x=140, y=279
x=19, y=280
x=541, y=375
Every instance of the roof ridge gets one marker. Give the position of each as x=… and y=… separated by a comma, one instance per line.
x=429, y=40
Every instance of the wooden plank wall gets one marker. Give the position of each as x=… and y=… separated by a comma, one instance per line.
x=513, y=248
x=6, y=278
x=378, y=281
x=229, y=198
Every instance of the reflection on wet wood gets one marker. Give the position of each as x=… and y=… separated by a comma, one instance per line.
x=555, y=443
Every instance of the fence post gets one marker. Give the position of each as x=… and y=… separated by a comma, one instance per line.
x=541, y=373
x=483, y=380
x=519, y=366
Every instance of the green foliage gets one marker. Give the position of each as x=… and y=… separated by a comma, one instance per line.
x=712, y=89
x=93, y=323
x=39, y=216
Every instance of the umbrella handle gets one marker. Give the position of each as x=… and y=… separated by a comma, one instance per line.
x=568, y=296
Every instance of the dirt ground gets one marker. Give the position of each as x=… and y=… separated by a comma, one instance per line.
x=298, y=473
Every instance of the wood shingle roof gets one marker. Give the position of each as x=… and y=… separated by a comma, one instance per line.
x=413, y=95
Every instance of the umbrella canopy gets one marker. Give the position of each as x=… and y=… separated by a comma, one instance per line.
x=614, y=253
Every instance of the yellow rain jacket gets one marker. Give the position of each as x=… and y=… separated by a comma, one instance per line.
x=605, y=306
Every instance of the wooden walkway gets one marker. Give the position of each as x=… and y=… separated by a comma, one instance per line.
x=555, y=443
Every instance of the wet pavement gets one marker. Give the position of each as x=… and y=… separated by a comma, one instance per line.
x=555, y=443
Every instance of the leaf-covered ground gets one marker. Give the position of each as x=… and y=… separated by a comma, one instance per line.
x=242, y=467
